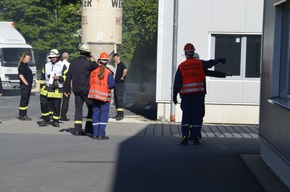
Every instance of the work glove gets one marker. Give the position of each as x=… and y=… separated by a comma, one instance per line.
x=174, y=100
x=222, y=60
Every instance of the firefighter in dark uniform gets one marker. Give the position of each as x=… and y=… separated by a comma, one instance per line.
x=79, y=72
x=189, y=83
x=53, y=75
x=120, y=78
x=26, y=80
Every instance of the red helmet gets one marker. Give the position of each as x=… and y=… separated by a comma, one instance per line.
x=104, y=56
x=189, y=47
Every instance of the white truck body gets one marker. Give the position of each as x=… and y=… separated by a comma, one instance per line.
x=12, y=47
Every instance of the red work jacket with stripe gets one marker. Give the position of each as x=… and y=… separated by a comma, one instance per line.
x=99, y=88
x=192, y=76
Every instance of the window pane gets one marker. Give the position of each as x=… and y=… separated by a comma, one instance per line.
x=229, y=47
x=285, y=45
x=11, y=56
x=287, y=54
x=253, y=56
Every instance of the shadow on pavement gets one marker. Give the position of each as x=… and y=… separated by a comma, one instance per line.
x=159, y=163
x=146, y=111
x=68, y=130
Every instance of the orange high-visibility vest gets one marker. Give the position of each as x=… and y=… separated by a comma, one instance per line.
x=192, y=76
x=99, y=88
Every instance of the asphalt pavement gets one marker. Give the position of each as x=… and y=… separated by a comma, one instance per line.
x=142, y=155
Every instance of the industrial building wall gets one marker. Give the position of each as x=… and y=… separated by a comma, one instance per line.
x=233, y=99
x=274, y=107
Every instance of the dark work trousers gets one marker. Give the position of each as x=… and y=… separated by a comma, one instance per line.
x=191, y=106
x=119, y=97
x=202, y=116
x=100, y=117
x=80, y=99
x=50, y=104
x=24, y=99
x=64, y=106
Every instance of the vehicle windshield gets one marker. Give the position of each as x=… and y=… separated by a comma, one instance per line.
x=11, y=56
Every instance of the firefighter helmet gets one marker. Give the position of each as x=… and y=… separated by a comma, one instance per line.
x=53, y=53
x=189, y=49
x=85, y=47
x=104, y=55
x=104, y=58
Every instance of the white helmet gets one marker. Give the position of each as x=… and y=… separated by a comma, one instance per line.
x=84, y=47
x=53, y=53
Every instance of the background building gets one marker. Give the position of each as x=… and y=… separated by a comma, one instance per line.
x=223, y=28
x=275, y=88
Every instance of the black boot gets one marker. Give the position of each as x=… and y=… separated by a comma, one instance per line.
x=120, y=115
x=196, y=141
x=43, y=123
x=184, y=140
x=55, y=123
x=24, y=118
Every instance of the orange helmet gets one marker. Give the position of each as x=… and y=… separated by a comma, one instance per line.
x=104, y=56
x=189, y=47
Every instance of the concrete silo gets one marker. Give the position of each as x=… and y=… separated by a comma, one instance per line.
x=102, y=25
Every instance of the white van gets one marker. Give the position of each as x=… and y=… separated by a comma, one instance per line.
x=12, y=47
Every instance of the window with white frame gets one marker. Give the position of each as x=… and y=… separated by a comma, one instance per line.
x=242, y=53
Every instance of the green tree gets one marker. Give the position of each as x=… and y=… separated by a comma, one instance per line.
x=138, y=50
x=45, y=24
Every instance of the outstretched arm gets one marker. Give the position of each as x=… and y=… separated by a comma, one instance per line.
x=210, y=63
x=214, y=73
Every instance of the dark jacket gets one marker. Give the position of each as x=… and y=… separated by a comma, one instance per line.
x=24, y=70
x=79, y=72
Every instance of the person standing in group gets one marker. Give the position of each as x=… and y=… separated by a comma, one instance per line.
x=26, y=80
x=189, y=83
x=53, y=75
x=79, y=73
x=65, y=99
x=120, y=78
x=101, y=83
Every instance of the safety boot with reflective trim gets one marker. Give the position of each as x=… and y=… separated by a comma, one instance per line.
x=43, y=123
x=24, y=118
x=196, y=141
x=184, y=140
